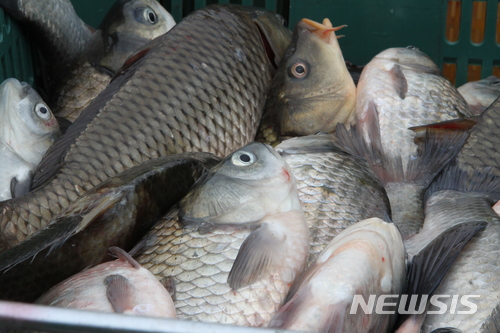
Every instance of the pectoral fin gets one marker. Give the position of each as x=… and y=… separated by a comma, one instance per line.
x=399, y=81
x=120, y=292
x=260, y=252
x=19, y=187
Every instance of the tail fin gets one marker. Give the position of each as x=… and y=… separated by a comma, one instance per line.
x=68, y=224
x=437, y=145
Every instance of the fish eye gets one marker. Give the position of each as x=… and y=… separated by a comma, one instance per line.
x=42, y=111
x=145, y=15
x=298, y=70
x=243, y=158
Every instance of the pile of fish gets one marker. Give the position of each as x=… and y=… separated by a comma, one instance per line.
x=242, y=175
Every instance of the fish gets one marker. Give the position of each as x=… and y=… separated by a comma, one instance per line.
x=362, y=264
x=480, y=94
x=236, y=241
x=58, y=32
x=320, y=300
x=27, y=130
x=473, y=271
x=312, y=90
x=174, y=96
x=468, y=186
x=400, y=92
x=336, y=189
x=128, y=25
x=117, y=212
x=119, y=286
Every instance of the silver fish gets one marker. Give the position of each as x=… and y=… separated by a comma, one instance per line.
x=362, y=264
x=27, y=129
x=120, y=286
x=237, y=243
x=367, y=258
x=335, y=188
x=480, y=94
x=399, y=89
x=468, y=189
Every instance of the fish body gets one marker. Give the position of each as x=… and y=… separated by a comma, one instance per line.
x=128, y=26
x=312, y=90
x=480, y=94
x=200, y=87
x=468, y=187
x=367, y=258
x=236, y=243
x=402, y=88
x=336, y=189
x=27, y=130
x=475, y=271
x=118, y=212
x=120, y=286
x=59, y=33
x=398, y=89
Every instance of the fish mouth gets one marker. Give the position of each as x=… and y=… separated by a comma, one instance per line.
x=322, y=30
x=13, y=86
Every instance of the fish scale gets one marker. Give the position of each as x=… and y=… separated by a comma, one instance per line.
x=110, y=136
x=483, y=274
x=200, y=264
x=336, y=190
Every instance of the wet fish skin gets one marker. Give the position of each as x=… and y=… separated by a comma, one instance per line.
x=480, y=94
x=318, y=97
x=335, y=188
x=225, y=248
x=367, y=258
x=473, y=176
x=128, y=26
x=60, y=35
x=176, y=98
x=27, y=129
x=401, y=89
x=116, y=213
x=475, y=271
x=121, y=286
x=419, y=95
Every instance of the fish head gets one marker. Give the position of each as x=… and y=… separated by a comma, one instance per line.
x=247, y=185
x=312, y=90
x=480, y=94
x=128, y=26
x=25, y=113
x=410, y=57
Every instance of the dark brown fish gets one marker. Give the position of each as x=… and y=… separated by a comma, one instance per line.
x=312, y=90
x=59, y=34
x=116, y=213
x=128, y=26
x=200, y=87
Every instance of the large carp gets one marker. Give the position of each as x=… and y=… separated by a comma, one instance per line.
x=200, y=87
